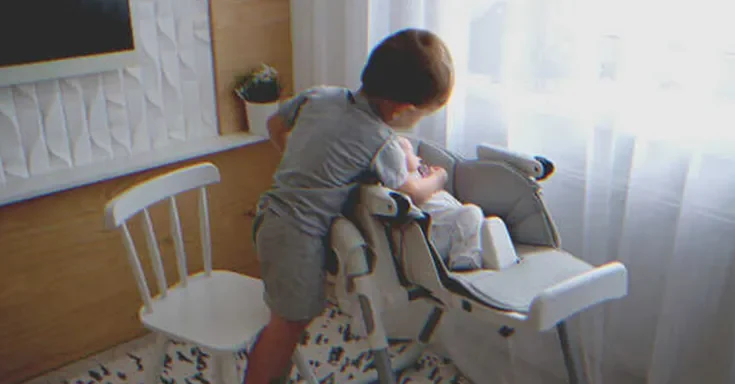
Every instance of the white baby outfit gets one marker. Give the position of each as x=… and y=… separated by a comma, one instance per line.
x=455, y=230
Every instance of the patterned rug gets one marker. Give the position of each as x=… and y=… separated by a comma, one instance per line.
x=335, y=354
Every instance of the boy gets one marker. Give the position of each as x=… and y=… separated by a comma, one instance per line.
x=335, y=137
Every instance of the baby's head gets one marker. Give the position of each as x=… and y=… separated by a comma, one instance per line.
x=413, y=162
x=409, y=75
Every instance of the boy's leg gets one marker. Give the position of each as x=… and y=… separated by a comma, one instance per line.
x=270, y=358
x=292, y=269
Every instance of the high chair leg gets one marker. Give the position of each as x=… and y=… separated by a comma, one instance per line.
x=303, y=367
x=378, y=341
x=572, y=367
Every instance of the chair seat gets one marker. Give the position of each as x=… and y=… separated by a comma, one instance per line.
x=515, y=287
x=223, y=311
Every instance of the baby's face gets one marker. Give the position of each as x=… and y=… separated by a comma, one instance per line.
x=412, y=161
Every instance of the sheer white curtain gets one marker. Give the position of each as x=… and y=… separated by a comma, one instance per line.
x=635, y=103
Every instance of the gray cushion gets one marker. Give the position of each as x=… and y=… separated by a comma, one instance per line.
x=502, y=191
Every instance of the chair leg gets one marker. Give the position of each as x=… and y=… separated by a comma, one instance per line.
x=225, y=368
x=303, y=367
x=571, y=364
x=158, y=358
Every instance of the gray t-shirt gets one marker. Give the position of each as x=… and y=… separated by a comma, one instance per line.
x=336, y=138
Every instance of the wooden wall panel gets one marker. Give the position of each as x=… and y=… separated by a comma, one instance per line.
x=66, y=289
x=246, y=33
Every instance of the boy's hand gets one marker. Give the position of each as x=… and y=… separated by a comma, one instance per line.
x=420, y=190
x=278, y=131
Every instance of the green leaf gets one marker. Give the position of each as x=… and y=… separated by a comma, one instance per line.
x=259, y=85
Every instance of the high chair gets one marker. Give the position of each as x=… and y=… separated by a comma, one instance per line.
x=383, y=257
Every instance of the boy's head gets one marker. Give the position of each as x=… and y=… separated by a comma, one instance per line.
x=409, y=75
x=413, y=162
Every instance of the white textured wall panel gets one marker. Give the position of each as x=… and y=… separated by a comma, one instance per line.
x=12, y=155
x=167, y=98
x=117, y=119
x=31, y=129
x=96, y=115
x=135, y=99
x=204, y=63
x=76, y=121
x=52, y=120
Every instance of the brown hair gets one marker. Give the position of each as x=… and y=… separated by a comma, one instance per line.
x=410, y=66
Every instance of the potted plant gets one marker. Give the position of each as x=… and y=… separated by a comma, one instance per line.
x=260, y=90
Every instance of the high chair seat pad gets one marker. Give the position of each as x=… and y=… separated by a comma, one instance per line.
x=515, y=287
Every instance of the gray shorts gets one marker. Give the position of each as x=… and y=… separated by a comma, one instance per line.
x=292, y=268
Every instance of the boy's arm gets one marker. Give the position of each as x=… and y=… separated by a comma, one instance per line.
x=391, y=168
x=278, y=131
x=281, y=123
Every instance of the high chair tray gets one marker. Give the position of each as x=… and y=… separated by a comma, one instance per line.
x=547, y=286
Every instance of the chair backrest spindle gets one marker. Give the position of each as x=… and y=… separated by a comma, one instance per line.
x=137, y=269
x=154, y=253
x=178, y=241
x=205, y=234
x=139, y=197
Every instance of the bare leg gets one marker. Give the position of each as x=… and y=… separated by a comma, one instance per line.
x=271, y=355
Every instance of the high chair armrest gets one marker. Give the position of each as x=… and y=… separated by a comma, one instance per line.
x=536, y=167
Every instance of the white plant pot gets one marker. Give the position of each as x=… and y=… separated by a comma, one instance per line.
x=258, y=114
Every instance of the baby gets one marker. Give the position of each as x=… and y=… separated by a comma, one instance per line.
x=455, y=227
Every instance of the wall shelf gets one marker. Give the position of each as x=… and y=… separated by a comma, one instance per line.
x=58, y=181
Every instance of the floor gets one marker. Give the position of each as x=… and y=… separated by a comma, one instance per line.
x=336, y=356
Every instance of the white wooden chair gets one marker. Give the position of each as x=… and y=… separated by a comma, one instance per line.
x=218, y=310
